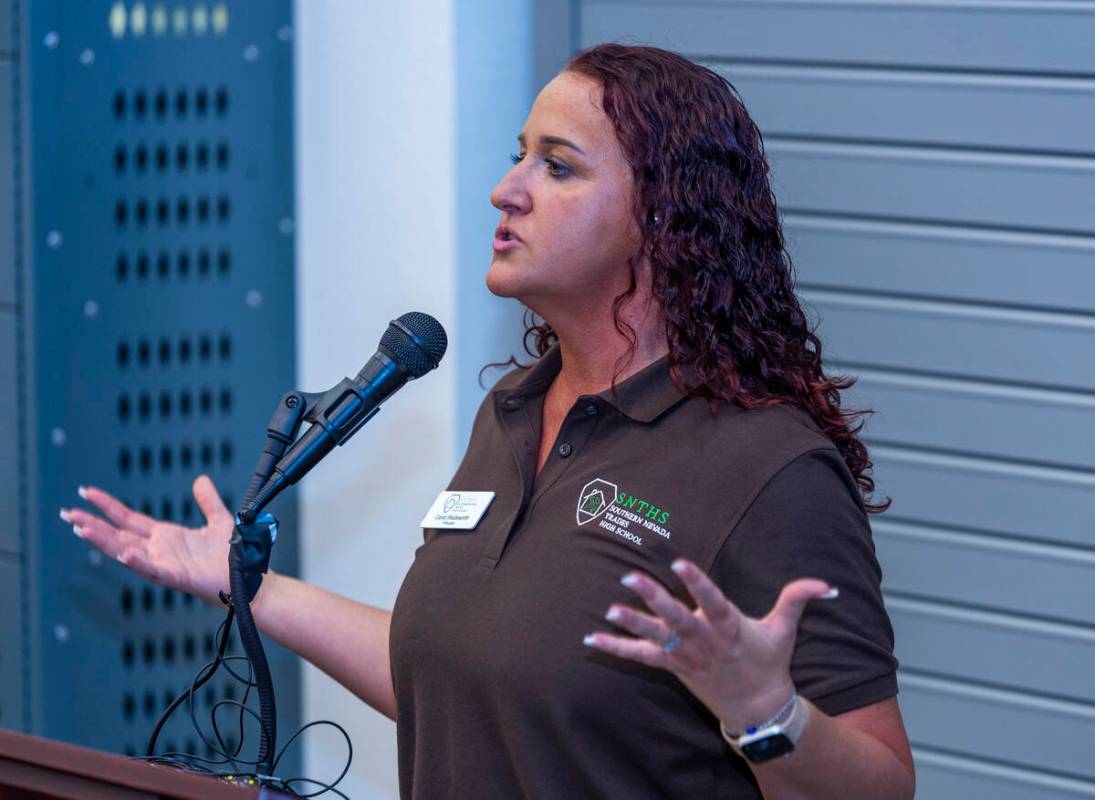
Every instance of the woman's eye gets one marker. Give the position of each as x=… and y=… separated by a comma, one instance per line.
x=555, y=168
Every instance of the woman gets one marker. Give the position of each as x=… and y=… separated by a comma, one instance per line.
x=675, y=461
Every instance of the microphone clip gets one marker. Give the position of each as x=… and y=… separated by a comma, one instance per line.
x=342, y=410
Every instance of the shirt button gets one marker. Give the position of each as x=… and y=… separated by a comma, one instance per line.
x=591, y=410
x=565, y=450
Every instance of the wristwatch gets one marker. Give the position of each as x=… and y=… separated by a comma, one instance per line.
x=774, y=737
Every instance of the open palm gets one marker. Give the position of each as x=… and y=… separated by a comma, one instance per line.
x=193, y=560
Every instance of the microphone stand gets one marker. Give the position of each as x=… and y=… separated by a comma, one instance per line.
x=249, y=558
x=250, y=548
x=412, y=345
x=339, y=413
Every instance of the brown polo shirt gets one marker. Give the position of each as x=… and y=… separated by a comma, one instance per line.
x=497, y=696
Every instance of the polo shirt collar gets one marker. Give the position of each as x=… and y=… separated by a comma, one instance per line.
x=643, y=397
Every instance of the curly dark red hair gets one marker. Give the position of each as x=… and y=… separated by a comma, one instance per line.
x=712, y=232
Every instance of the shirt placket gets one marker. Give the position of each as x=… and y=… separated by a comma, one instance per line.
x=510, y=410
x=523, y=433
x=570, y=443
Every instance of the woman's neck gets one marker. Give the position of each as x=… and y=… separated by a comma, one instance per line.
x=594, y=354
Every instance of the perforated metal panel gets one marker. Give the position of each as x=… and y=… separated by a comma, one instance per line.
x=156, y=316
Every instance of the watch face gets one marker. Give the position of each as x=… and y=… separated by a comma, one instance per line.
x=769, y=747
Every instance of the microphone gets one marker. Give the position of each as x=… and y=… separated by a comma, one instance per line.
x=411, y=347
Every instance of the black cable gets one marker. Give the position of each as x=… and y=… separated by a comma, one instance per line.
x=349, y=748
x=242, y=770
x=197, y=684
x=213, y=711
x=326, y=787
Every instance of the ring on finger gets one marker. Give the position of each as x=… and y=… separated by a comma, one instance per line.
x=671, y=643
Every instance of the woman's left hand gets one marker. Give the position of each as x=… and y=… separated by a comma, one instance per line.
x=739, y=667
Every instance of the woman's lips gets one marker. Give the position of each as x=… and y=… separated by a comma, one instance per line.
x=502, y=244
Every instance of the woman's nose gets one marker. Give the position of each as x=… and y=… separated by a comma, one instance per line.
x=510, y=194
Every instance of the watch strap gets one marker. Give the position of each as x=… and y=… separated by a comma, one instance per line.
x=791, y=729
x=780, y=716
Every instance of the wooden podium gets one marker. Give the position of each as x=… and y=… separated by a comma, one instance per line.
x=32, y=768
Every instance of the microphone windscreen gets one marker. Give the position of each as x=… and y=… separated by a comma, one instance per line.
x=416, y=342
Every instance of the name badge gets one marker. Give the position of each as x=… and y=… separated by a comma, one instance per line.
x=459, y=511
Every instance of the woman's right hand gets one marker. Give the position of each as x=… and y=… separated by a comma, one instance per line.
x=193, y=560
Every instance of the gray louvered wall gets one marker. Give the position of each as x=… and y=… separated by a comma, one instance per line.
x=935, y=163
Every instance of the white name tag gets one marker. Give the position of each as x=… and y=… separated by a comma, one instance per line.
x=460, y=511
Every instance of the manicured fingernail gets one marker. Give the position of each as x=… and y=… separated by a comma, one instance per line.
x=77, y=531
x=629, y=580
x=82, y=491
x=678, y=567
x=613, y=614
x=588, y=640
x=832, y=594
x=65, y=516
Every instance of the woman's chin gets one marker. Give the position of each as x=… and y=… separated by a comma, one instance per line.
x=503, y=280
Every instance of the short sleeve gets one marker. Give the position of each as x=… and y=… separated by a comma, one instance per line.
x=808, y=521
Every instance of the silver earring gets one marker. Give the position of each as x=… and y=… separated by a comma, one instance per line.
x=657, y=218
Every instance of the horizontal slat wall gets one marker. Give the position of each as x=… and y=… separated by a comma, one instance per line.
x=1032, y=270
x=942, y=775
x=1012, y=498
x=1043, y=348
x=1027, y=578
x=985, y=419
x=942, y=638
x=1002, y=35
x=947, y=186
x=935, y=165
x=1019, y=112
x=1003, y=725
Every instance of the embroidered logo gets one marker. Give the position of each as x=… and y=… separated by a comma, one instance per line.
x=623, y=513
x=594, y=500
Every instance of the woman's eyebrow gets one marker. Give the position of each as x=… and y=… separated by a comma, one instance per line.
x=553, y=140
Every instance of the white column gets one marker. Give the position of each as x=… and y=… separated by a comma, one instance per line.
x=375, y=137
